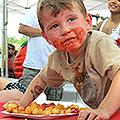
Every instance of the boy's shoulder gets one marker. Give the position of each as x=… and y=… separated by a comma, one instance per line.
x=97, y=39
x=56, y=53
x=96, y=36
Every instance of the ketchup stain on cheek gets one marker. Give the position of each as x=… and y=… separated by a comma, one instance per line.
x=76, y=37
x=82, y=33
x=58, y=43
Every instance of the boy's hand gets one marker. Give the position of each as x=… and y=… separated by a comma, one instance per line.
x=92, y=115
x=13, y=101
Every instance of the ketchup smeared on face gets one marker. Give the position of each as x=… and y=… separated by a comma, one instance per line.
x=71, y=40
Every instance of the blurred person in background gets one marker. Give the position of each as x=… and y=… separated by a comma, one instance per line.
x=38, y=50
x=111, y=26
x=11, y=56
x=19, y=59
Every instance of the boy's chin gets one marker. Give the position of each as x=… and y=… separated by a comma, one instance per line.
x=70, y=50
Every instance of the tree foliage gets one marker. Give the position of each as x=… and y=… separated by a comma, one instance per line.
x=14, y=40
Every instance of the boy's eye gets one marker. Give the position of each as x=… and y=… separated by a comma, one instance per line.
x=71, y=19
x=54, y=26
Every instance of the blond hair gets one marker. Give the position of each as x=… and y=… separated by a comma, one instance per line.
x=56, y=6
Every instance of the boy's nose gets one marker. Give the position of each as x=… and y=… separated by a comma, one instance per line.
x=65, y=30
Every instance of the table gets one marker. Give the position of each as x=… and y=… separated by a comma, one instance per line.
x=116, y=116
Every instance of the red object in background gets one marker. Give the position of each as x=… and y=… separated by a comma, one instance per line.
x=118, y=42
x=19, y=59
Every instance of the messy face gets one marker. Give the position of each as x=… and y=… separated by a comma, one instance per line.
x=66, y=32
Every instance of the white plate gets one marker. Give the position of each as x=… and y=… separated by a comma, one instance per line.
x=37, y=116
x=46, y=116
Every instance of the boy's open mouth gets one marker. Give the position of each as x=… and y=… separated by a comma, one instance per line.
x=69, y=39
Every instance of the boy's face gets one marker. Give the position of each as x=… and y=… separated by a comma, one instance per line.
x=66, y=32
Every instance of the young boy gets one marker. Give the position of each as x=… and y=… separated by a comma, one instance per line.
x=90, y=61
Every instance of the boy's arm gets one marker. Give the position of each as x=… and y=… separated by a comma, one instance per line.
x=35, y=88
x=112, y=100
x=108, y=106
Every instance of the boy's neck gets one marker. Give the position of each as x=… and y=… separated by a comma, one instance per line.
x=74, y=55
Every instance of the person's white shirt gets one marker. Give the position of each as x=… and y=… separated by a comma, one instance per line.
x=38, y=48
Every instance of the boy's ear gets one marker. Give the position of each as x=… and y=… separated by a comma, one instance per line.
x=88, y=21
x=45, y=36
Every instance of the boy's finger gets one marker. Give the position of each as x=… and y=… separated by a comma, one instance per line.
x=83, y=115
